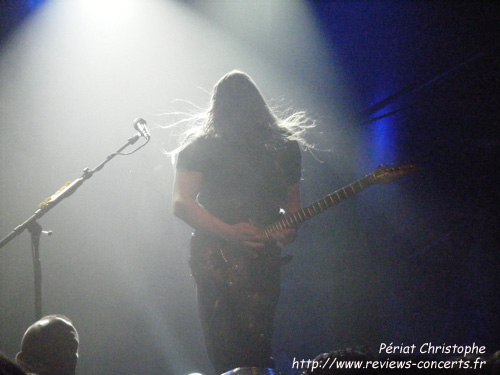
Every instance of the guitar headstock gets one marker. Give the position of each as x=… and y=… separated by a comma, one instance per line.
x=385, y=175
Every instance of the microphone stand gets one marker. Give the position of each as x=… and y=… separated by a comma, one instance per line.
x=35, y=228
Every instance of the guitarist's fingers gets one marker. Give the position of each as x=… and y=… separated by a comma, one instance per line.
x=254, y=245
x=285, y=236
x=244, y=230
x=284, y=233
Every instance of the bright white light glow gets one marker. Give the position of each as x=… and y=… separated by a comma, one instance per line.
x=73, y=77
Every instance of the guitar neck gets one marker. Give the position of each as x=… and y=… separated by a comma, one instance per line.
x=294, y=219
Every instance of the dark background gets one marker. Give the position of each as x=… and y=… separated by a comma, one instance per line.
x=412, y=262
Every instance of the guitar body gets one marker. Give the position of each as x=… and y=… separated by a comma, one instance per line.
x=233, y=267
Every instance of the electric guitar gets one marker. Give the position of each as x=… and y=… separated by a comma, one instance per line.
x=229, y=265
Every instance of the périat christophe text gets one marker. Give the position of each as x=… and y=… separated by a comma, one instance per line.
x=429, y=348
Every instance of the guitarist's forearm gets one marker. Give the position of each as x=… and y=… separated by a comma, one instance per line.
x=187, y=185
x=199, y=218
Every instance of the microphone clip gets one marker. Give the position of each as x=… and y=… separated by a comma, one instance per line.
x=141, y=127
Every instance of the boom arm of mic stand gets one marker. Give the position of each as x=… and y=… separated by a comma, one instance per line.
x=63, y=193
x=35, y=229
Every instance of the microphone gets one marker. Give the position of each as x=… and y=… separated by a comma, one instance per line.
x=140, y=126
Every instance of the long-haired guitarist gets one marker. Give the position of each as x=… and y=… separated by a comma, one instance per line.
x=238, y=169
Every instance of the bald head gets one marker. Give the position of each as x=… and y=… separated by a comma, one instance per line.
x=50, y=347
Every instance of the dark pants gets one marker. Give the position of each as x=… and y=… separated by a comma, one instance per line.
x=237, y=315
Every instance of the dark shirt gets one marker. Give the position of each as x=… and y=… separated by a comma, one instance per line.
x=242, y=181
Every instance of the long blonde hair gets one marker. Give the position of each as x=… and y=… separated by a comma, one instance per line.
x=238, y=111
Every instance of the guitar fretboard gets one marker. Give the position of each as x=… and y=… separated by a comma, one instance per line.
x=296, y=218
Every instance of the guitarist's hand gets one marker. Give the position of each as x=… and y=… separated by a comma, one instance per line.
x=284, y=236
x=245, y=234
